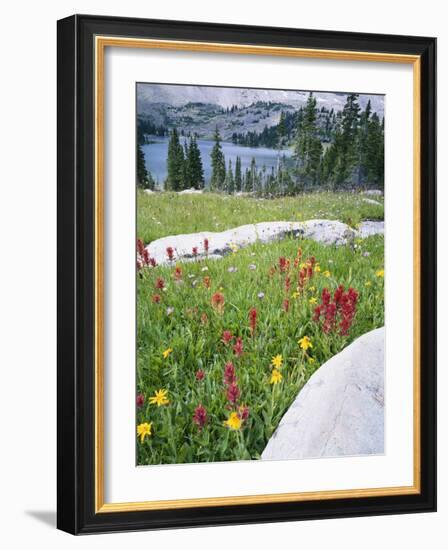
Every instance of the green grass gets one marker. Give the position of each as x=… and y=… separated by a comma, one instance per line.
x=194, y=328
x=163, y=214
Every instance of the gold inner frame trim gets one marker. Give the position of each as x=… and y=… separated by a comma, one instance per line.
x=101, y=42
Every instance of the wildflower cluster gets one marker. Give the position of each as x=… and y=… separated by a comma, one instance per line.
x=143, y=257
x=337, y=314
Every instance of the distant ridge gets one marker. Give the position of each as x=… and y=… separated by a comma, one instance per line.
x=178, y=95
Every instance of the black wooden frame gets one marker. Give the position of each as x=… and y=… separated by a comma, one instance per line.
x=76, y=396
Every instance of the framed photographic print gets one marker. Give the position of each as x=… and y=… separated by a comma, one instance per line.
x=246, y=274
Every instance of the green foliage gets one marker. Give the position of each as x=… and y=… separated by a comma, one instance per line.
x=218, y=164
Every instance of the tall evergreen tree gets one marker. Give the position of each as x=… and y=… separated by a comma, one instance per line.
x=229, y=182
x=308, y=147
x=218, y=164
x=375, y=152
x=362, y=138
x=253, y=177
x=345, y=141
x=238, y=176
x=194, y=176
x=144, y=178
x=175, y=180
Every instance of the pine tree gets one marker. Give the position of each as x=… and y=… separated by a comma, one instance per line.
x=308, y=148
x=362, y=139
x=175, y=164
x=345, y=141
x=238, y=176
x=375, y=152
x=218, y=164
x=253, y=179
x=229, y=182
x=281, y=130
x=144, y=178
x=194, y=173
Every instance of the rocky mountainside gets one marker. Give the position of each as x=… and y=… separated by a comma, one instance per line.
x=200, y=109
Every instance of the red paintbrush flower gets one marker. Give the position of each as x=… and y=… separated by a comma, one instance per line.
x=140, y=400
x=200, y=416
x=170, y=252
x=140, y=247
x=233, y=393
x=195, y=251
x=160, y=283
x=338, y=313
x=145, y=256
x=218, y=302
x=287, y=284
x=283, y=264
x=229, y=374
x=286, y=305
x=252, y=320
x=207, y=281
x=200, y=375
x=206, y=245
x=155, y=298
x=152, y=262
x=178, y=273
x=238, y=347
x=244, y=412
x=227, y=337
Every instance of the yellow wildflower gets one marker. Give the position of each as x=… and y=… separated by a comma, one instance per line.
x=313, y=300
x=295, y=295
x=276, y=376
x=277, y=361
x=368, y=283
x=317, y=268
x=305, y=343
x=326, y=273
x=311, y=360
x=312, y=289
x=380, y=273
x=233, y=422
x=233, y=247
x=167, y=352
x=144, y=430
x=159, y=398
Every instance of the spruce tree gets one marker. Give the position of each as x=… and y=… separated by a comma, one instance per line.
x=238, y=176
x=345, y=141
x=144, y=178
x=229, y=182
x=375, y=152
x=308, y=148
x=194, y=171
x=218, y=164
x=362, y=140
x=175, y=164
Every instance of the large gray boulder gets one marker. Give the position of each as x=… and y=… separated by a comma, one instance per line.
x=221, y=243
x=340, y=410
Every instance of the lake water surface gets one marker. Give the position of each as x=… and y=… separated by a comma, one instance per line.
x=156, y=154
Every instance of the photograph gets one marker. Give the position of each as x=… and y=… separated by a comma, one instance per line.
x=259, y=274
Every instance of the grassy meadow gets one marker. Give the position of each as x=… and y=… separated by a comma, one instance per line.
x=163, y=214
x=223, y=347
